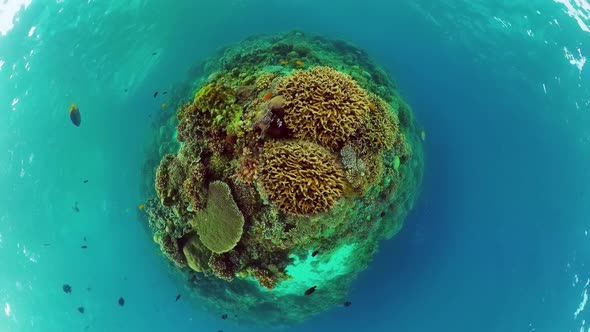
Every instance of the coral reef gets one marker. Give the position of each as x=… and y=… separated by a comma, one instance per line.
x=323, y=105
x=220, y=225
x=300, y=177
x=282, y=146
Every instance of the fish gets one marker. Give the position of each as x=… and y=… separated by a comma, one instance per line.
x=85, y=238
x=67, y=288
x=347, y=304
x=423, y=135
x=85, y=181
x=224, y=316
x=126, y=90
x=314, y=253
x=155, y=94
x=75, y=115
x=46, y=244
x=177, y=298
x=165, y=92
x=141, y=206
x=163, y=105
x=299, y=63
x=121, y=301
x=81, y=310
x=283, y=62
x=83, y=247
x=154, y=53
x=311, y=290
x=75, y=207
x=267, y=96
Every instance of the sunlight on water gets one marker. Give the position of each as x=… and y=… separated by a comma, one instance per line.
x=8, y=10
x=579, y=10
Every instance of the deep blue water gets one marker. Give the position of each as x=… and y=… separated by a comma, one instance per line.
x=497, y=241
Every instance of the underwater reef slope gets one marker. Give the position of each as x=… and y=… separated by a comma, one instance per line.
x=289, y=159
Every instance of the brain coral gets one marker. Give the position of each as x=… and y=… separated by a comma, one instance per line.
x=301, y=178
x=323, y=105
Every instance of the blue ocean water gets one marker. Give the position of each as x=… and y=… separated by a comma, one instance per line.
x=497, y=242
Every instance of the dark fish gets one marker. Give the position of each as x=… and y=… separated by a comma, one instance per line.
x=85, y=181
x=311, y=290
x=154, y=53
x=46, y=244
x=81, y=310
x=155, y=94
x=347, y=304
x=83, y=247
x=165, y=92
x=121, y=301
x=85, y=238
x=67, y=288
x=75, y=207
x=88, y=289
x=219, y=330
x=177, y=298
x=75, y=115
x=224, y=316
x=314, y=253
x=126, y=90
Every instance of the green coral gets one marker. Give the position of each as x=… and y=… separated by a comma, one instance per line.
x=221, y=224
x=219, y=102
x=196, y=254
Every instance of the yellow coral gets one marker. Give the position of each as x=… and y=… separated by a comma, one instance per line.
x=301, y=178
x=380, y=130
x=323, y=105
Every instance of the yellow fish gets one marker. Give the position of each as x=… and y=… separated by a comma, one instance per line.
x=141, y=206
x=163, y=105
x=423, y=135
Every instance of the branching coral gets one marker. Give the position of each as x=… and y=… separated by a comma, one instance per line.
x=219, y=103
x=301, y=178
x=220, y=224
x=169, y=178
x=323, y=105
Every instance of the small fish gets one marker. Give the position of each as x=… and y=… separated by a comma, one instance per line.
x=67, y=288
x=155, y=94
x=85, y=181
x=46, y=244
x=75, y=207
x=81, y=310
x=267, y=96
x=347, y=304
x=154, y=53
x=219, y=330
x=163, y=105
x=126, y=90
x=283, y=62
x=165, y=92
x=224, y=316
x=88, y=289
x=121, y=301
x=141, y=206
x=177, y=298
x=311, y=290
x=299, y=63
x=85, y=238
x=314, y=253
x=423, y=135
x=75, y=115
x=83, y=247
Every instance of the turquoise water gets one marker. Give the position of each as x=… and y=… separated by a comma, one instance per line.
x=497, y=242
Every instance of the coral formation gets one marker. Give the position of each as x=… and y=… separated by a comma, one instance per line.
x=280, y=147
x=300, y=177
x=323, y=105
x=220, y=225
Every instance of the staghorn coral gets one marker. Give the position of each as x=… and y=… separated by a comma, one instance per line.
x=220, y=225
x=323, y=105
x=301, y=178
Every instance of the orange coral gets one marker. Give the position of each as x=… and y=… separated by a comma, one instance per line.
x=323, y=105
x=301, y=178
